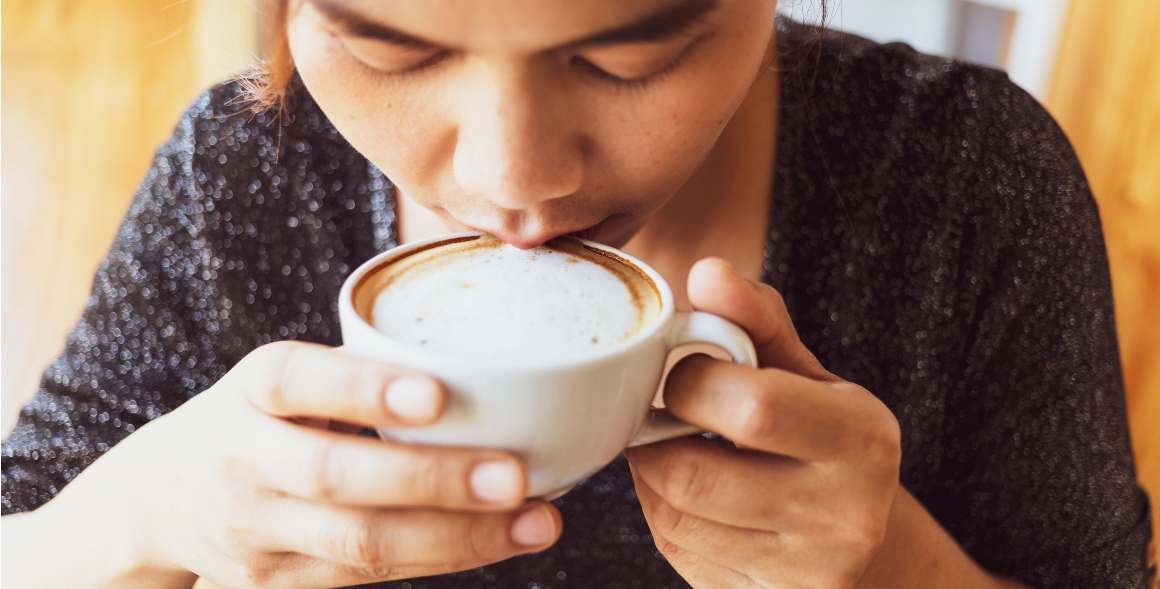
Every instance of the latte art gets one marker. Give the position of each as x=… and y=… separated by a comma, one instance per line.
x=485, y=299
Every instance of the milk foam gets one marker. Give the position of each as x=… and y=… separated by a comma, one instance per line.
x=501, y=301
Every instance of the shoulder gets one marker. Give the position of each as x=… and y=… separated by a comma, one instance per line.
x=225, y=158
x=222, y=139
x=920, y=191
x=888, y=123
x=222, y=135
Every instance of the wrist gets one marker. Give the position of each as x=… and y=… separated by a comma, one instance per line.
x=918, y=552
x=139, y=513
x=40, y=541
x=110, y=525
x=134, y=556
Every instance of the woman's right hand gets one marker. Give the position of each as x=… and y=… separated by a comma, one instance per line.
x=236, y=487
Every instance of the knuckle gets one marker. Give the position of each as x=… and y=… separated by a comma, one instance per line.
x=273, y=355
x=882, y=445
x=366, y=546
x=757, y=419
x=240, y=516
x=326, y=472
x=235, y=533
x=362, y=381
x=384, y=571
x=235, y=580
x=480, y=541
x=425, y=474
x=686, y=483
x=670, y=521
x=234, y=570
x=778, y=311
x=271, y=362
x=873, y=530
x=261, y=579
x=862, y=532
x=668, y=548
x=367, y=384
x=263, y=573
x=774, y=297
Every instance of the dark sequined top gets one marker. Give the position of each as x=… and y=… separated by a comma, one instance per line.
x=932, y=232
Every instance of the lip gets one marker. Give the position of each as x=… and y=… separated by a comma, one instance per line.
x=591, y=232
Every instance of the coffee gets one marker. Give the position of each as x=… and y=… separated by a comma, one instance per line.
x=472, y=312
x=479, y=297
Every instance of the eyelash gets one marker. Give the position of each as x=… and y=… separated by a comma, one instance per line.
x=428, y=63
x=626, y=83
x=577, y=61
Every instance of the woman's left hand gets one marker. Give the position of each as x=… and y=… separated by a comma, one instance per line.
x=806, y=498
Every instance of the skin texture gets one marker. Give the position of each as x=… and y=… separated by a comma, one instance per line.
x=810, y=496
x=282, y=494
x=508, y=134
x=513, y=129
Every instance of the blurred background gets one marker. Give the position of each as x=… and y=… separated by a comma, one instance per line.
x=91, y=87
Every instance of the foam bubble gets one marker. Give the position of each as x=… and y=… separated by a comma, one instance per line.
x=492, y=302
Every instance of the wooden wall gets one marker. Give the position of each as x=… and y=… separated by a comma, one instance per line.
x=1106, y=96
x=90, y=89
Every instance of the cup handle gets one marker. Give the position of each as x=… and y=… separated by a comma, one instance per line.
x=697, y=327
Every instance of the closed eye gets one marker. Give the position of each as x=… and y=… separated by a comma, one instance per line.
x=390, y=58
x=635, y=65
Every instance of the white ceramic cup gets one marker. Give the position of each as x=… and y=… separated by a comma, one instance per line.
x=567, y=419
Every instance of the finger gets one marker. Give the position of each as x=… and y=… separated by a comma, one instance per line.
x=307, y=571
x=356, y=470
x=714, y=554
x=374, y=540
x=776, y=410
x=698, y=477
x=317, y=422
x=330, y=424
x=346, y=428
x=295, y=379
x=291, y=569
x=715, y=286
x=764, y=559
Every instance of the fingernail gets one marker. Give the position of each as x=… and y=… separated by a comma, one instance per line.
x=533, y=528
x=413, y=398
x=497, y=481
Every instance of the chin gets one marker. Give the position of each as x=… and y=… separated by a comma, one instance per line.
x=618, y=230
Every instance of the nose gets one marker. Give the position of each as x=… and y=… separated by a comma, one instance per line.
x=516, y=145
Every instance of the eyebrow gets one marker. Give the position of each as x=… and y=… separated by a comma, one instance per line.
x=662, y=24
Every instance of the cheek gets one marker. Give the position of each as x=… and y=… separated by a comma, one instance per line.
x=653, y=149
x=657, y=141
x=387, y=124
x=667, y=136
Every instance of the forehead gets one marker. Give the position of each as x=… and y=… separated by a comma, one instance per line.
x=509, y=25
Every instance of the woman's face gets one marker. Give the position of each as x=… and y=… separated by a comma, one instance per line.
x=529, y=119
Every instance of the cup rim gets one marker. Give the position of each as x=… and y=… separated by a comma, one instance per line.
x=347, y=309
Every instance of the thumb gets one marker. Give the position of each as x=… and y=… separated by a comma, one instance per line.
x=714, y=286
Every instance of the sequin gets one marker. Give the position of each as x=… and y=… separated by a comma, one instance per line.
x=932, y=233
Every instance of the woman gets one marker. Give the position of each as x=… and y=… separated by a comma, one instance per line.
x=869, y=215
